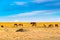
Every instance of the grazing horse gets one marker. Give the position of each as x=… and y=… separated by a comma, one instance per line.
x=33, y=23
x=20, y=25
x=50, y=25
x=44, y=25
x=2, y=26
x=15, y=25
x=56, y=25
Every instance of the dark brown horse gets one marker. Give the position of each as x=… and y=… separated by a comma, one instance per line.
x=15, y=25
x=33, y=23
x=50, y=25
x=56, y=25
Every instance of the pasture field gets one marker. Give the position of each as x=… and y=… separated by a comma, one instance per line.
x=30, y=32
x=28, y=24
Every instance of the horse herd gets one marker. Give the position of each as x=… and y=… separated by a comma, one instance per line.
x=35, y=24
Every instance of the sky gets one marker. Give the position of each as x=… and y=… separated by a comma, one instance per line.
x=29, y=10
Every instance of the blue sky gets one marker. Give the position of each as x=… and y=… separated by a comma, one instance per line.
x=30, y=10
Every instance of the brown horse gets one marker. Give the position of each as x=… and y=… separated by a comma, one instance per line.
x=33, y=23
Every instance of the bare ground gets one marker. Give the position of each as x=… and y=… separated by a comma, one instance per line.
x=30, y=34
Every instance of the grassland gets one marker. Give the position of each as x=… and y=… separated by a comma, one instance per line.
x=30, y=33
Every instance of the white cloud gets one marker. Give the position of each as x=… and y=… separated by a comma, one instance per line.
x=16, y=20
x=32, y=17
x=43, y=12
x=53, y=4
x=40, y=1
x=19, y=3
x=40, y=19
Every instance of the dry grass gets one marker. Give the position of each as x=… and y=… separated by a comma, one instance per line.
x=30, y=34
